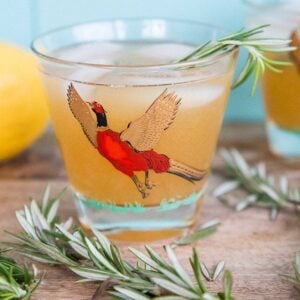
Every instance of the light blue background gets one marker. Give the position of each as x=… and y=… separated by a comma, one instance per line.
x=21, y=20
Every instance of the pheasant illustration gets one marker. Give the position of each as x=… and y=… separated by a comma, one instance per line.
x=131, y=150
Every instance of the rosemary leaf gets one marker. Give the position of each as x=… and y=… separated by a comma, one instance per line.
x=174, y=288
x=205, y=272
x=198, y=235
x=205, y=230
x=218, y=270
x=228, y=282
x=295, y=280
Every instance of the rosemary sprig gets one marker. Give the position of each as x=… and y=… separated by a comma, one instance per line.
x=95, y=258
x=257, y=62
x=262, y=189
x=295, y=280
x=16, y=282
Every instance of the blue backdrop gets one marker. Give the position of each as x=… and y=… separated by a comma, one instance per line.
x=21, y=20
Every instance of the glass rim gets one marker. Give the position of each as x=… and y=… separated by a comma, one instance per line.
x=197, y=62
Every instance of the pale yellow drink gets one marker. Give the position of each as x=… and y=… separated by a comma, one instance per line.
x=191, y=139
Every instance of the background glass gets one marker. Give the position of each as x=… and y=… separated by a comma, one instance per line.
x=281, y=91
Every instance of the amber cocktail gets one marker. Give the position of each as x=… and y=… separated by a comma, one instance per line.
x=281, y=93
x=281, y=90
x=137, y=131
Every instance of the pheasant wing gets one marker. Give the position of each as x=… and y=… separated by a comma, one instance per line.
x=83, y=115
x=144, y=133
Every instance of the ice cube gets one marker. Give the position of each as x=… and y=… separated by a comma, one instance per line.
x=93, y=53
x=163, y=52
x=200, y=95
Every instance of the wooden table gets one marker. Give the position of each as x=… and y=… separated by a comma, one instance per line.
x=254, y=248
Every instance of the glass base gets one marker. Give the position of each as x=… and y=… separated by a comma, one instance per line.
x=283, y=142
x=134, y=222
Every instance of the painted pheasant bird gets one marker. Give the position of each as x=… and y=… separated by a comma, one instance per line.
x=131, y=150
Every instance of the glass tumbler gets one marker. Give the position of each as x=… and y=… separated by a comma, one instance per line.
x=137, y=131
x=281, y=91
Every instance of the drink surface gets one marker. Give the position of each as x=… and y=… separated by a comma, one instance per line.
x=191, y=138
x=282, y=96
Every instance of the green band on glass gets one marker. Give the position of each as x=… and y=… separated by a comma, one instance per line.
x=165, y=205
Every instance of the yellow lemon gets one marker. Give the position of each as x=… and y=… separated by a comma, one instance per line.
x=23, y=109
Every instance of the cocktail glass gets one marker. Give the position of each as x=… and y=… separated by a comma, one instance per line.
x=137, y=130
x=281, y=91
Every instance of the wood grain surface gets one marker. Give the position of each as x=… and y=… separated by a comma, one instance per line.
x=254, y=248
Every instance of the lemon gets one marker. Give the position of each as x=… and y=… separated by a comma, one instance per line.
x=23, y=109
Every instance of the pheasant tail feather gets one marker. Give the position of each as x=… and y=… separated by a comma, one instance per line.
x=185, y=171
